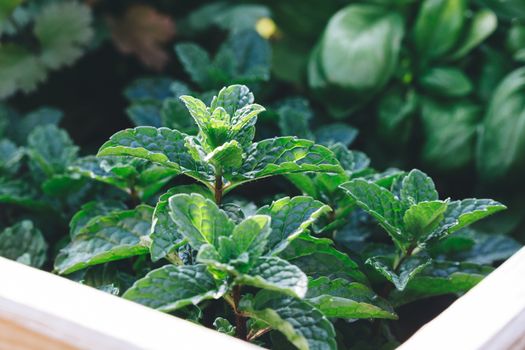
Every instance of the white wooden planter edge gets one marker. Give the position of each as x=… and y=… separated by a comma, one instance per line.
x=42, y=311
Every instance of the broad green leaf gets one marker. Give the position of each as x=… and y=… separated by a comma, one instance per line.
x=446, y=81
x=20, y=70
x=229, y=155
x=294, y=118
x=116, y=236
x=273, y=273
x=360, y=47
x=147, y=89
x=302, y=324
x=232, y=98
x=438, y=27
x=417, y=187
x=51, y=149
x=18, y=192
x=24, y=243
x=198, y=111
x=92, y=211
x=450, y=131
x=441, y=278
x=423, y=218
x=145, y=113
x=163, y=146
x=343, y=299
x=290, y=218
x=199, y=220
x=464, y=212
x=501, y=138
x=10, y=156
x=172, y=287
x=63, y=31
x=164, y=235
x=318, y=257
x=482, y=25
x=331, y=134
x=284, y=155
x=196, y=62
x=380, y=203
x=396, y=110
x=406, y=271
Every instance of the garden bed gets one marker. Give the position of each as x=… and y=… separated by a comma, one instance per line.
x=43, y=311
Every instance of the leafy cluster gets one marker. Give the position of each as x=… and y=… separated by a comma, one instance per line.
x=39, y=37
x=280, y=274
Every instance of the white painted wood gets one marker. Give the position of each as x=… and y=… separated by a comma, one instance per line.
x=491, y=316
x=42, y=311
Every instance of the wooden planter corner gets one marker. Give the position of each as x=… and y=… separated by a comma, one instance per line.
x=42, y=311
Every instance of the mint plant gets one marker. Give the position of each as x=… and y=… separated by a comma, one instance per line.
x=258, y=272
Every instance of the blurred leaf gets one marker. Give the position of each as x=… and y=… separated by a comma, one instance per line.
x=20, y=70
x=446, y=81
x=482, y=25
x=395, y=115
x=142, y=31
x=23, y=242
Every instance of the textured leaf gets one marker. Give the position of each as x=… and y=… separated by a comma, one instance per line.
x=343, y=299
x=145, y=113
x=229, y=155
x=51, y=149
x=418, y=187
x=92, y=211
x=423, y=218
x=302, y=324
x=224, y=326
x=462, y=213
x=163, y=146
x=318, y=257
x=23, y=242
x=441, y=278
x=116, y=236
x=10, y=156
x=20, y=193
x=195, y=61
x=172, y=287
x=284, y=155
x=273, y=273
x=379, y=203
x=63, y=30
x=232, y=98
x=406, y=271
x=290, y=218
x=199, y=220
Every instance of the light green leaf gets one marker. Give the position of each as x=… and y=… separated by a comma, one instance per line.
x=302, y=324
x=290, y=218
x=23, y=242
x=417, y=187
x=343, y=299
x=380, y=203
x=446, y=81
x=232, y=98
x=92, y=211
x=172, y=287
x=163, y=146
x=440, y=278
x=423, y=218
x=438, y=27
x=116, y=236
x=405, y=272
x=482, y=25
x=228, y=155
x=20, y=70
x=224, y=326
x=273, y=273
x=199, y=220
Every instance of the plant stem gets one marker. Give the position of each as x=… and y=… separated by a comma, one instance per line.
x=218, y=186
x=240, y=320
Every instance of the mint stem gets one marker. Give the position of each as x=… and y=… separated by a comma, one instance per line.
x=218, y=186
x=240, y=321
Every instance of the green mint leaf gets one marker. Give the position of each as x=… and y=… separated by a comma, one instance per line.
x=440, y=278
x=317, y=257
x=294, y=118
x=20, y=128
x=232, y=99
x=447, y=82
x=302, y=324
x=172, y=287
x=422, y=219
x=18, y=192
x=165, y=237
x=381, y=204
x=406, y=271
x=10, y=156
x=228, y=155
x=25, y=243
x=224, y=326
x=343, y=299
x=284, y=155
x=273, y=273
x=92, y=211
x=116, y=236
x=149, y=89
x=145, y=113
x=464, y=212
x=50, y=150
x=163, y=146
x=199, y=220
x=290, y=218
x=331, y=134
x=196, y=63
x=417, y=187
